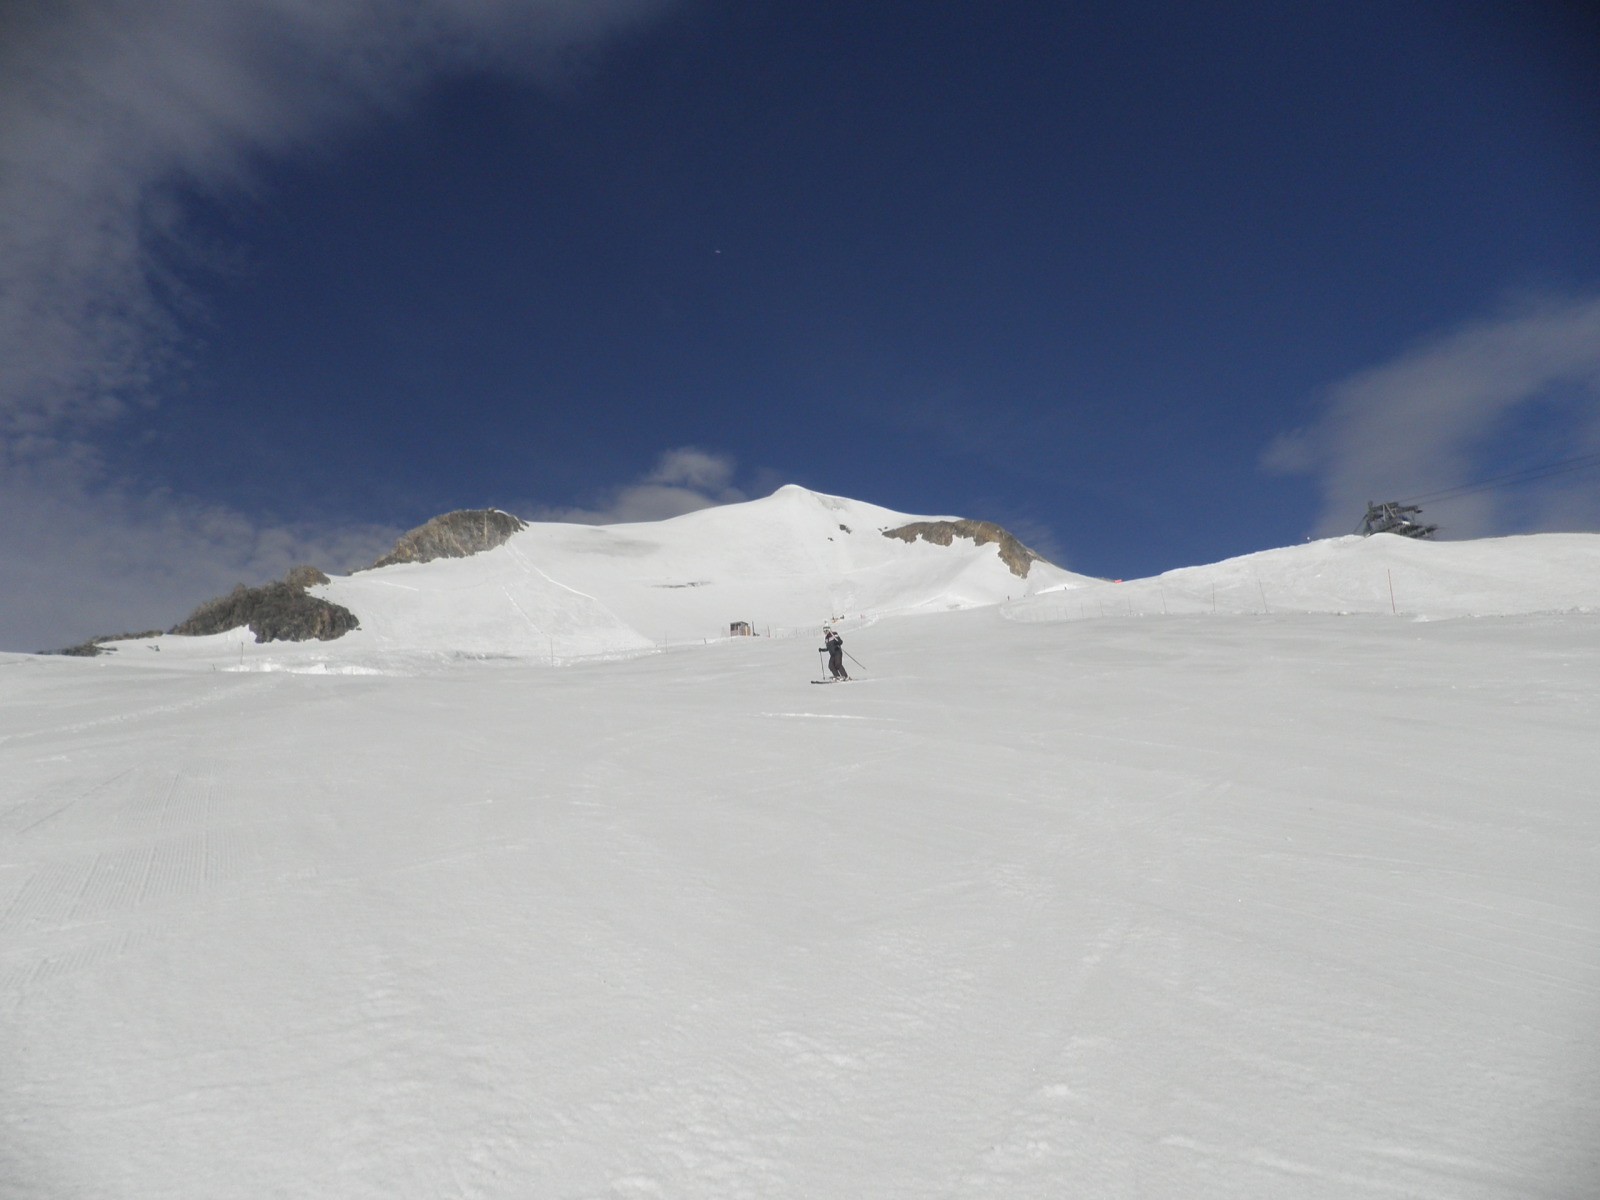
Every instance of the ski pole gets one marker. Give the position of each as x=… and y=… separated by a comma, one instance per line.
x=853, y=658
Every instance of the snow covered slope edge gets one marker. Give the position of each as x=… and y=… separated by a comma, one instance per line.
x=1385, y=573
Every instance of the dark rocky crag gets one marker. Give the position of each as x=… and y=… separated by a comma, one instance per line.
x=453, y=535
x=282, y=611
x=275, y=612
x=942, y=533
x=97, y=645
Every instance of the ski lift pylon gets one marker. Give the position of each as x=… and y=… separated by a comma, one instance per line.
x=1393, y=517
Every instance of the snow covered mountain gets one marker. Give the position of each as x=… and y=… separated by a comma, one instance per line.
x=790, y=561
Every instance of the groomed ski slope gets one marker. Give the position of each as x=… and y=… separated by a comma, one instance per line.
x=1245, y=905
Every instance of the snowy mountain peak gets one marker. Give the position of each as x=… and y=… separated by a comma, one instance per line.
x=788, y=561
x=800, y=502
x=795, y=493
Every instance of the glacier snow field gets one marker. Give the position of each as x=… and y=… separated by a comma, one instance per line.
x=1274, y=905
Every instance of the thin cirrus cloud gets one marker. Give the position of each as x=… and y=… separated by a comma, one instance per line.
x=109, y=113
x=684, y=480
x=1445, y=413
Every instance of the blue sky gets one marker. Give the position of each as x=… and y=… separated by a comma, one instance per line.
x=1152, y=284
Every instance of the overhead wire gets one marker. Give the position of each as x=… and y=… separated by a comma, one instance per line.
x=1564, y=466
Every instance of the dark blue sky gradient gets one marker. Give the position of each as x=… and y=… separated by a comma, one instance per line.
x=1068, y=267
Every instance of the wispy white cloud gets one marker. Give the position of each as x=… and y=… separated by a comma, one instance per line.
x=691, y=467
x=110, y=113
x=683, y=480
x=1431, y=419
x=109, y=109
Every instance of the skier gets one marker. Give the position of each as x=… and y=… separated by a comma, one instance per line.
x=835, y=647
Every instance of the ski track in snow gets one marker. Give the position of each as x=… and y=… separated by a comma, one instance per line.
x=1279, y=906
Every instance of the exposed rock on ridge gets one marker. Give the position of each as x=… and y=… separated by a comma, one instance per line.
x=305, y=576
x=453, y=535
x=97, y=645
x=942, y=533
x=275, y=612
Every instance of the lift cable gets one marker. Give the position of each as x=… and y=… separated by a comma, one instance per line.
x=1532, y=474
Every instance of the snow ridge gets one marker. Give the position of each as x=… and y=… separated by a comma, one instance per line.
x=1385, y=573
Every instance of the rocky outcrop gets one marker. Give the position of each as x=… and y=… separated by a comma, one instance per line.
x=284, y=612
x=942, y=533
x=275, y=612
x=454, y=535
x=304, y=577
x=97, y=645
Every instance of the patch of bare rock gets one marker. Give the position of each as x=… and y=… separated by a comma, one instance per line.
x=283, y=611
x=942, y=533
x=98, y=645
x=275, y=612
x=453, y=535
